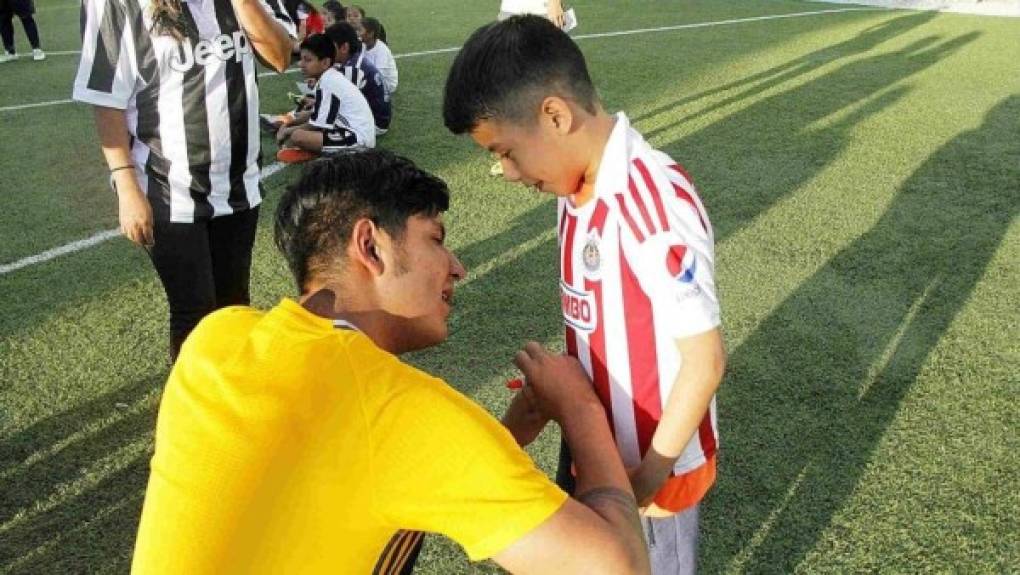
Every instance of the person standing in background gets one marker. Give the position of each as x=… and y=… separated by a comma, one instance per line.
x=378, y=53
x=173, y=86
x=551, y=9
x=23, y=9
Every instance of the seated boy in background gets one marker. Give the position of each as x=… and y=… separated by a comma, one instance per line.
x=340, y=117
x=378, y=53
x=353, y=63
x=637, y=262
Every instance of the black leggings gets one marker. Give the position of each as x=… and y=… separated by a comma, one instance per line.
x=203, y=266
x=7, y=26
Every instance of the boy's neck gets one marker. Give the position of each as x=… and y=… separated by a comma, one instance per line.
x=595, y=136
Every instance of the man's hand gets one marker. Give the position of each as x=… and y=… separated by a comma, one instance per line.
x=523, y=421
x=133, y=209
x=556, y=384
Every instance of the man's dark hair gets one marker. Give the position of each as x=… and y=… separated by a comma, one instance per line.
x=316, y=215
x=321, y=46
x=343, y=33
x=374, y=26
x=336, y=9
x=507, y=68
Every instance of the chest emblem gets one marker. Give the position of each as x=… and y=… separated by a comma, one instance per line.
x=591, y=256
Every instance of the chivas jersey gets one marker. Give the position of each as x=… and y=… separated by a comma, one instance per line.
x=636, y=274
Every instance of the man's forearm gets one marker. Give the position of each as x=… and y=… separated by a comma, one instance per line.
x=271, y=41
x=602, y=483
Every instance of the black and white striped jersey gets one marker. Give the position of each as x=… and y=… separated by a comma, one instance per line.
x=192, y=106
x=363, y=74
x=339, y=104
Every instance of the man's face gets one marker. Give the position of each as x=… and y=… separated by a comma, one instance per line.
x=311, y=66
x=417, y=285
x=532, y=155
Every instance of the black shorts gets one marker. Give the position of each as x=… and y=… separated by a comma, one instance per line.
x=338, y=139
x=20, y=8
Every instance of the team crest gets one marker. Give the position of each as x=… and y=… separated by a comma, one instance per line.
x=590, y=255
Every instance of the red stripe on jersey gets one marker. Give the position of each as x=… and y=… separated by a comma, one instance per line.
x=654, y=191
x=563, y=221
x=630, y=221
x=706, y=434
x=567, y=271
x=567, y=255
x=598, y=218
x=686, y=197
x=644, y=363
x=597, y=348
x=640, y=203
x=680, y=170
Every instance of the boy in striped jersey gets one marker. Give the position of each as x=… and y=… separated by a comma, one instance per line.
x=340, y=117
x=637, y=258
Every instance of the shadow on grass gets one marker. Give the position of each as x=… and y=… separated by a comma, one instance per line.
x=787, y=139
x=67, y=531
x=765, y=80
x=810, y=394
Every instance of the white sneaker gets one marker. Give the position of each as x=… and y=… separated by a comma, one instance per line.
x=38, y=54
x=7, y=57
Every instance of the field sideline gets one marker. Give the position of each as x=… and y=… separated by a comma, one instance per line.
x=862, y=172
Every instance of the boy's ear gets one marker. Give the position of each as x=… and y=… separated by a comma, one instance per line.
x=557, y=115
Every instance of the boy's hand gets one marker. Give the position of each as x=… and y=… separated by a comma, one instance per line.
x=646, y=482
x=283, y=134
x=523, y=420
x=556, y=384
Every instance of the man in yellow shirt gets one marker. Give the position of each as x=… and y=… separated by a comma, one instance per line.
x=296, y=441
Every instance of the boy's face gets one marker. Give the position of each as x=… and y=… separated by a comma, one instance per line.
x=532, y=155
x=417, y=287
x=312, y=66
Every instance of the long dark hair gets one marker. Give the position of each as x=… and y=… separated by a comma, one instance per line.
x=167, y=20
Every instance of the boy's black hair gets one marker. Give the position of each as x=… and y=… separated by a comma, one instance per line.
x=336, y=9
x=321, y=46
x=507, y=68
x=316, y=215
x=374, y=26
x=343, y=33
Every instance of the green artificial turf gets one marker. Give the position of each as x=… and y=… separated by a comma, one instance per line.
x=862, y=174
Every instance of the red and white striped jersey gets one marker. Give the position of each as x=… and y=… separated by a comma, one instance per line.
x=637, y=272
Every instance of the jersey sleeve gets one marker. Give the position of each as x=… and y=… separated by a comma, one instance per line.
x=326, y=107
x=108, y=68
x=674, y=258
x=276, y=9
x=455, y=470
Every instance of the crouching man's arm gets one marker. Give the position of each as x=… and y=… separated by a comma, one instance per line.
x=599, y=530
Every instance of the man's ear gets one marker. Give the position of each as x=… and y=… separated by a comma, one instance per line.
x=363, y=248
x=557, y=115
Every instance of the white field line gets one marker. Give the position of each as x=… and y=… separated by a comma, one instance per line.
x=95, y=238
x=273, y=168
x=577, y=37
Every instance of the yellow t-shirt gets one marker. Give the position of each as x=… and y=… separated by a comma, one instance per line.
x=285, y=445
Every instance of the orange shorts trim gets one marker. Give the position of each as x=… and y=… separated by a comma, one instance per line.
x=683, y=491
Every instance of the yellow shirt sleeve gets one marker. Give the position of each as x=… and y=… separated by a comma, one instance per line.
x=442, y=464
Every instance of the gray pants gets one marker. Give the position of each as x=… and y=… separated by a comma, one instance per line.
x=673, y=542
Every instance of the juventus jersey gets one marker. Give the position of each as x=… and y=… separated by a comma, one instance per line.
x=637, y=272
x=192, y=106
x=339, y=104
x=369, y=80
